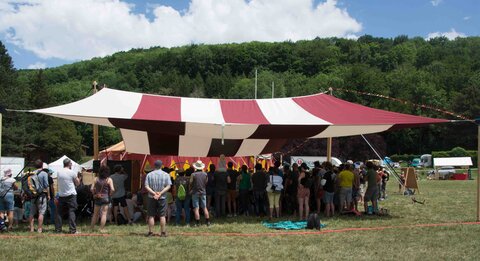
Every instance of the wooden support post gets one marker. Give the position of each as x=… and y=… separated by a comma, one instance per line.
x=329, y=140
x=95, y=130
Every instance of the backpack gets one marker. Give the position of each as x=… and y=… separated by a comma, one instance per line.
x=30, y=186
x=121, y=220
x=181, y=193
x=313, y=221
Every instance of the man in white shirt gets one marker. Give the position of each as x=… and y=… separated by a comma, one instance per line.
x=67, y=180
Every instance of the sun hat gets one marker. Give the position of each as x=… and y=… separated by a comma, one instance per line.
x=199, y=165
x=7, y=173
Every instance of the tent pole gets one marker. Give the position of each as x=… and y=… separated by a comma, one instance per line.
x=478, y=170
x=95, y=130
x=329, y=139
x=1, y=136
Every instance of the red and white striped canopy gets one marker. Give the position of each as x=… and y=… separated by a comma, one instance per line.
x=164, y=125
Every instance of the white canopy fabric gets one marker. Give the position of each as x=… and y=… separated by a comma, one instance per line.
x=164, y=125
x=87, y=165
x=453, y=161
x=58, y=165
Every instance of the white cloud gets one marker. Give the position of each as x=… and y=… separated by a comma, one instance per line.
x=37, y=65
x=450, y=35
x=436, y=2
x=72, y=29
x=466, y=18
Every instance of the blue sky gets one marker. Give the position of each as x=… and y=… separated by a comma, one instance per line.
x=47, y=33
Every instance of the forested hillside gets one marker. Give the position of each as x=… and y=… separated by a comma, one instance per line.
x=438, y=72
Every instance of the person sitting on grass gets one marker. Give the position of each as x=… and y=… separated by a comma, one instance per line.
x=199, y=192
x=157, y=183
x=102, y=189
x=372, y=189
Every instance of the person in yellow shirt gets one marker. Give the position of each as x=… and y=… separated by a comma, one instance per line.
x=345, y=182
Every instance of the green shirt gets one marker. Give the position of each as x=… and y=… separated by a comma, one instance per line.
x=372, y=178
x=245, y=182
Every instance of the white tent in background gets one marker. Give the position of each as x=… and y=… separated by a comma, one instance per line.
x=87, y=165
x=58, y=165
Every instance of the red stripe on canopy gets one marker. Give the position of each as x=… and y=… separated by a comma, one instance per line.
x=242, y=111
x=341, y=112
x=159, y=108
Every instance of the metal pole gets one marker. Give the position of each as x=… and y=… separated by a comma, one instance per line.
x=255, y=84
x=273, y=90
x=95, y=130
x=329, y=139
x=1, y=137
x=478, y=170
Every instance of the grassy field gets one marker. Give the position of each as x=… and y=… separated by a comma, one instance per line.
x=445, y=202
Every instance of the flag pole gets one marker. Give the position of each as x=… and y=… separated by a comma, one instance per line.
x=329, y=139
x=95, y=129
x=256, y=84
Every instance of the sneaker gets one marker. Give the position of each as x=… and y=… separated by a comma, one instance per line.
x=208, y=223
x=75, y=233
x=149, y=234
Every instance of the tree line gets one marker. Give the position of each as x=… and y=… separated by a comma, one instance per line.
x=437, y=72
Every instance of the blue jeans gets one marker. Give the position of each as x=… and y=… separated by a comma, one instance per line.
x=182, y=204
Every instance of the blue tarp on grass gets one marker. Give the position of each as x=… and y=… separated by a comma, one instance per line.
x=288, y=225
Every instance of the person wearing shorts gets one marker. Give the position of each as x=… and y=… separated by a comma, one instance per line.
x=118, y=198
x=102, y=188
x=157, y=183
x=275, y=189
x=7, y=201
x=345, y=181
x=372, y=190
x=199, y=181
x=39, y=204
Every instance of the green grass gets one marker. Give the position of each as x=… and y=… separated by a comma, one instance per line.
x=446, y=201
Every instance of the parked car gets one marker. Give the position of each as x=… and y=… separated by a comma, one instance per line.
x=416, y=162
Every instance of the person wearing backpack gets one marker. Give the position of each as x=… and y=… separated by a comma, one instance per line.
x=7, y=186
x=40, y=195
x=182, y=197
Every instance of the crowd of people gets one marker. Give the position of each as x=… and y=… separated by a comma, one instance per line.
x=219, y=191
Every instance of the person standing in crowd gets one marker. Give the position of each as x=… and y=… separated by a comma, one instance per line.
x=328, y=181
x=275, y=186
x=259, y=183
x=118, y=198
x=317, y=174
x=385, y=178
x=210, y=186
x=102, y=189
x=356, y=194
x=345, y=182
x=67, y=181
x=199, y=192
x=52, y=208
x=182, y=198
x=245, y=186
x=220, y=178
x=39, y=204
x=372, y=189
x=157, y=184
x=7, y=199
x=303, y=193
x=232, y=190
x=380, y=175
x=291, y=187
